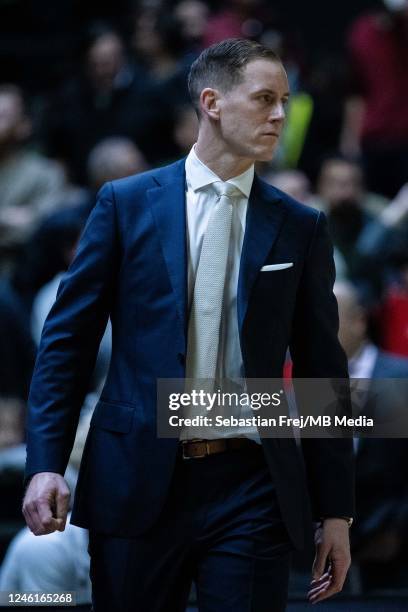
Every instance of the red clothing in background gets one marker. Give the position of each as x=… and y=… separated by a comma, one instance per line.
x=379, y=61
x=394, y=322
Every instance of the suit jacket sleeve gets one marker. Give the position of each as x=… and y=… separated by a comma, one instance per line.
x=70, y=341
x=317, y=353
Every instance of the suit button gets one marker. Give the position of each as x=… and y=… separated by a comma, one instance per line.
x=181, y=358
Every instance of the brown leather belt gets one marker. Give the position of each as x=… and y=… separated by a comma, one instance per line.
x=198, y=449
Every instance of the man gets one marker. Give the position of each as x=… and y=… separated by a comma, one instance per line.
x=30, y=184
x=50, y=246
x=375, y=124
x=224, y=512
x=379, y=539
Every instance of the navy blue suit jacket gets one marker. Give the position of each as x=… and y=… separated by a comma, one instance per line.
x=131, y=265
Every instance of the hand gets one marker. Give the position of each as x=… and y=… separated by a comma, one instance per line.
x=332, y=559
x=397, y=211
x=46, y=502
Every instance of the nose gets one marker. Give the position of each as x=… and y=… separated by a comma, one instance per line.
x=277, y=112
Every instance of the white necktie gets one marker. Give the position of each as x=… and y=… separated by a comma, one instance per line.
x=206, y=307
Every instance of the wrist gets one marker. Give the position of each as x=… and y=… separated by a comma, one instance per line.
x=347, y=519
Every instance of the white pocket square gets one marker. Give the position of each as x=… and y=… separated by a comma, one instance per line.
x=280, y=266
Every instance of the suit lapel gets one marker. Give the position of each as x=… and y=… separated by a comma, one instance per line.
x=264, y=219
x=168, y=206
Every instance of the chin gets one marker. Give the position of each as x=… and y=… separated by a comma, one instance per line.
x=265, y=156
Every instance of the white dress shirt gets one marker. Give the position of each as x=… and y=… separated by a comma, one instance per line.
x=200, y=200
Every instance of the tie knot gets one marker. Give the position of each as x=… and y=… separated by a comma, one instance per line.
x=226, y=189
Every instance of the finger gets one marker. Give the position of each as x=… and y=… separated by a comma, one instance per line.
x=62, y=507
x=320, y=562
x=332, y=589
x=322, y=578
x=319, y=585
x=32, y=518
x=316, y=590
x=340, y=567
x=324, y=594
x=47, y=521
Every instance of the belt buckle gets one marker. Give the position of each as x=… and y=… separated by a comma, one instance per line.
x=207, y=448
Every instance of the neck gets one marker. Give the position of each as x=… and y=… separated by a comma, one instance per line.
x=215, y=156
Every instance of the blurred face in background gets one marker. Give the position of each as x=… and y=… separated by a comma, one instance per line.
x=193, y=15
x=14, y=124
x=293, y=182
x=146, y=40
x=113, y=158
x=340, y=183
x=105, y=60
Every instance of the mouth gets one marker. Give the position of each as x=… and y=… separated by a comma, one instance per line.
x=274, y=134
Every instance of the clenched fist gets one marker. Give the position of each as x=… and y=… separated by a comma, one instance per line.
x=46, y=503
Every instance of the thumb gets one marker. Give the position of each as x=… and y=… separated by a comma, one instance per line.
x=61, y=508
x=319, y=563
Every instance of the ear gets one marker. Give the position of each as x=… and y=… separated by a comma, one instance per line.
x=210, y=103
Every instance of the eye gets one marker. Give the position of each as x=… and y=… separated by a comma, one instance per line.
x=266, y=98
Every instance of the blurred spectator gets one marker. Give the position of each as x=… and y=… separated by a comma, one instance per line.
x=376, y=120
x=108, y=99
x=12, y=458
x=17, y=350
x=57, y=562
x=49, y=249
x=296, y=184
x=393, y=314
x=29, y=183
x=111, y=159
x=162, y=61
x=42, y=305
x=384, y=245
x=11, y=422
x=193, y=16
x=54, y=562
x=379, y=536
x=185, y=128
x=318, y=114
x=293, y=182
x=237, y=18
x=350, y=210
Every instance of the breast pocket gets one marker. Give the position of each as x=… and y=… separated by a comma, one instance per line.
x=276, y=286
x=277, y=267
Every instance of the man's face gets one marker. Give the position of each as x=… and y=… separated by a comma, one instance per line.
x=252, y=113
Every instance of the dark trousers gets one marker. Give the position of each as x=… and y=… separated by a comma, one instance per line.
x=220, y=528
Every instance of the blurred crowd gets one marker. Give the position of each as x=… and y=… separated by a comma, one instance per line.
x=80, y=106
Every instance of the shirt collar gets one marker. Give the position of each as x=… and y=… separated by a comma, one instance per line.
x=198, y=175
